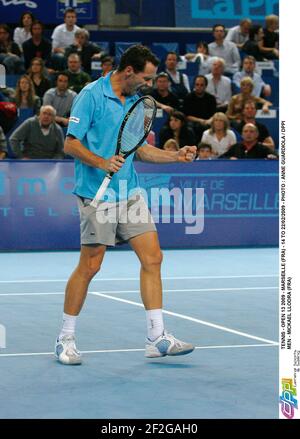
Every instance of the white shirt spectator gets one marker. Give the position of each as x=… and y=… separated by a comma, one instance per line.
x=235, y=35
x=229, y=52
x=219, y=147
x=256, y=78
x=62, y=38
x=20, y=36
x=221, y=90
x=205, y=63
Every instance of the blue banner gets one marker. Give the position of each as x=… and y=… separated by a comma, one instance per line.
x=48, y=12
x=39, y=212
x=206, y=13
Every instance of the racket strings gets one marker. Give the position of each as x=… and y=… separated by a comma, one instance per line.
x=137, y=125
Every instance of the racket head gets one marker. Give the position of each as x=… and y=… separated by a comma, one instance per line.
x=136, y=125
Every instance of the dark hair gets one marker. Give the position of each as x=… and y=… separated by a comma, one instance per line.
x=137, y=56
x=5, y=27
x=107, y=58
x=203, y=77
x=172, y=53
x=203, y=145
x=23, y=15
x=69, y=11
x=204, y=44
x=35, y=22
x=218, y=25
x=177, y=115
x=254, y=31
x=62, y=74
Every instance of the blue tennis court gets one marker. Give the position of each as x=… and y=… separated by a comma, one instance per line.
x=223, y=301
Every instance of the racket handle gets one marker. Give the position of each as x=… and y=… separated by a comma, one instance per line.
x=101, y=191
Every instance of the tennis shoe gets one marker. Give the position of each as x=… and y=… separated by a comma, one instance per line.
x=66, y=351
x=167, y=344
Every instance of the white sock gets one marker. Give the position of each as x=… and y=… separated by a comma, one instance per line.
x=68, y=327
x=155, y=324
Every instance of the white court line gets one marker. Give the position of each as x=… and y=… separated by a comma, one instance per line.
x=137, y=278
x=138, y=291
x=192, y=319
x=108, y=351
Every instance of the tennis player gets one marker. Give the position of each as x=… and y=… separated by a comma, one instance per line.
x=96, y=117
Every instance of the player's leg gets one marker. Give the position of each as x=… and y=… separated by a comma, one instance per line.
x=147, y=248
x=159, y=342
x=91, y=257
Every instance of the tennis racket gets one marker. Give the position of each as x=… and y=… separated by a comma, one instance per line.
x=134, y=130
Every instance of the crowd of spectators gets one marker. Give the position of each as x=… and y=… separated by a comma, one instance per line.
x=216, y=111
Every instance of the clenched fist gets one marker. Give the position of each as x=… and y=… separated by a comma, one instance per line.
x=187, y=154
x=114, y=164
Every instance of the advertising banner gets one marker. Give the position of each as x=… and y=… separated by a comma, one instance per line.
x=206, y=13
x=211, y=204
x=48, y=11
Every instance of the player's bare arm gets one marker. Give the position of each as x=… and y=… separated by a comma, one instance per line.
x=76, y=149
x=149, y=153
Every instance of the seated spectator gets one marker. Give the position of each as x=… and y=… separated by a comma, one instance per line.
x=77, y=78
x=204, y=152
x=61, y=98
x=219, y=85
x=10, y=54
x=23, y=32
x=269, y=45
x=248, y=116
x=199, y=107
x=107, y=65
x=37, y=74
x=249, y=148
x=179, y=82
x=237, y=102
x=38, y=46
x=171, y=145
x=202, y=56
x=39, y=137
x=165, y=100
x=251, y=47
x=25, y=96
x=260, y=87
x=85, y=49
x=62, y=37
x=3, y=144
x=239, y=34
x=176, y=129
x=225, y=49
x=219, y=136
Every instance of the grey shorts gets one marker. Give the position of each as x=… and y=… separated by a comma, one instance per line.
x=114, y=223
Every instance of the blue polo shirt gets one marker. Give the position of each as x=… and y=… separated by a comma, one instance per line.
x=95, y=120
